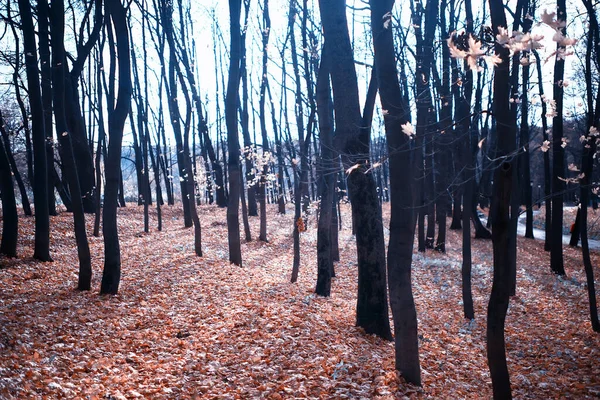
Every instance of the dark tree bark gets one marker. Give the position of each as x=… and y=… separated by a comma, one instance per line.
x=166, y=10
x=10, y=218
x=503, y=185
x=324, y=235
x=116, y=120
x=245, y=119
x=308, y=61
x=464, y=121
x=23, y=110
x=301, y=168
x=372, y=308
x=75, y=119
x=101, y=139
x=547, y=167
x=558, y=154
x=231, y=102
x=57, y=26
x=334, y=240
x=443, y=158
x=40, y=184
x=524, y=142
x=262, y=194
x=13, y=166
x=589, y=150
x=402, y=195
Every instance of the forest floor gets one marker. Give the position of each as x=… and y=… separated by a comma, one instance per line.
x=185, y=327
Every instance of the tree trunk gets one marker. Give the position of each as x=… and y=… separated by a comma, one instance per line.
x=558, y=155
x=402, y=194
x=57, y=26
x=233, y=220
x=10, y=218
x=116, y=120
x=46, y=86
x=262, y=194
x=372, y=308
x=324, y=236
x=13, y=167
x=503, y=185
x=40, y=184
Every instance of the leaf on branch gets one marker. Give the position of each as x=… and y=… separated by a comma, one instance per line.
x=545, y=146
x=408, y=129
x=352, y=168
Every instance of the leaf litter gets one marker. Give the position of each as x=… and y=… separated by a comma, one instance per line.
x=189, y=327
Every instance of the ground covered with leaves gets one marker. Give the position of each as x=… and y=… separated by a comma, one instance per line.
x=185, y=327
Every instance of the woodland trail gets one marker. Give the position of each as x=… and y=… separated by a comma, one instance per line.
x=184, y=327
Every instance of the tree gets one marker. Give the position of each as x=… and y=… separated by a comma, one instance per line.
x=590, y=149
x=231, y=102
x=46, y=85
x=262, y=194
x=324, y=235
x=558, y=151
x=402, y=194
x=503, y=186
x=13, y=167
x=353, y=144
x=10, y=218
x=40, y=184
x=118, y=111
x=57, y=25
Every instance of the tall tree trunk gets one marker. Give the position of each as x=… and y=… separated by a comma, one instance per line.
x=547, y=166
x=116, y=120
x=524, y=141
x=57, y=26
x=101, y=139
x=589, y=150
x=558, y=153
x=262, y=194
x=325, y=114
x=233, y=220
x=402, y=195
x=40, y=184
x=464, y=116
x=75, y=119
x=372, y=309
x=46, y=86
x=503, y=185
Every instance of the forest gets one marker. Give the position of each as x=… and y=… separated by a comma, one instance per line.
x=299, y=199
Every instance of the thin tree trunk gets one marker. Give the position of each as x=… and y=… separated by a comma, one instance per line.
x=558, y=154
x=233, y=221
